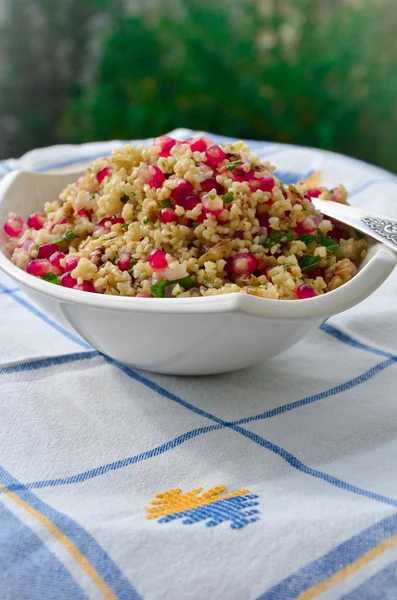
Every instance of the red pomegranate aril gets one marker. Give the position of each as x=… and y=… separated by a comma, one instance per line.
x=211, y=184
x=39, y=267
x=13, y=227
x=199, y=145
x=71, y=263
x=168, y=215
x=308, y=225
x=305, y=291
x=284, y=193
x=264, y=220
x=336, y=233
x=55, y=260
x=36, y=220
x=124, y=262
x=228, y=268
x=244, y=263
x=308, y=198
x=215, y=155
x=265, y=184
x=115, y=220
x=265, y=271
x=86, y=286
x=158, y=260
x=183, y=189
x=105, y=222
x=212, y=205
x=157, y=179
x=190, y=202
x=67, y=280
x=83, y=212
x=315, y=192
x=100, y=176
x=166, y=144
x=46, y=250
x=316, y=273
x=240, y=174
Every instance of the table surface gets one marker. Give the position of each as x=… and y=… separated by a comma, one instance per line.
x=277, y=482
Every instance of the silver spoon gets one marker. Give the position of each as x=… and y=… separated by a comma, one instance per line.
x=383, y=229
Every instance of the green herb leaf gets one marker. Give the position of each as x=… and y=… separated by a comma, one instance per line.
x=308, y=262
x=285, y=265
x=51, y=277
x=158, y=289
x=124, y=199
x=35, y=250
x=307, y=238
x=132, y=264
x=124, y=226
x=278, y=237
x=166, y=203
x=92, y=196
x=67, y=236
x=229, y=197
x=145, y=220
x=232, y=165
x=325, y=240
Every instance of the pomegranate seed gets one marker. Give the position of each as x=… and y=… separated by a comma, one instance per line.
x=308, y=225
x=190, y=202
x=124, y=262
x=244, y=263
x=100, y=176
x=336, y=233
x=168, y=215
x=83, y=212
x=228, y=268
x=284, y=193
x=265, y=184
x=55, y=260
x=264, y=220
x=67, y=280
x=86, y=286
x=198, y=145
x=315, y=273
x=116, y=219
x=239, y=174
x=105, y=222
x=13, y=227
x=239, y=235
x=211, y=184
x=305, y=291
x=215, y=155
x=71, y=262
x=46, y=250
x=36, y=220
x=60, y=222
x=314, y=193
x=183, y=189
x=158, y=260
x=213, y=206
x=152, y=175
x=39, y=267
x=265, y=271
x=166, y=143
x=308, y=198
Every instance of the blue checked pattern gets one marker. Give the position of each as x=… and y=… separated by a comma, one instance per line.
x=62, y=494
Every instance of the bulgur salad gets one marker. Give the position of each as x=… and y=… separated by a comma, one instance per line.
x=185, y=219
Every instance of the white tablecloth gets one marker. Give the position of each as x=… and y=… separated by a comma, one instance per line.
x=286, y=471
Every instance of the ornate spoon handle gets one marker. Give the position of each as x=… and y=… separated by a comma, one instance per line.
x=383, y=229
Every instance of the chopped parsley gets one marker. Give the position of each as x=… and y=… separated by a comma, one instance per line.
x=326, y=241
x=308, y=262
x=232, y=165
x=132, y=264
x=166, y=203
x=278, y=237
x=307, y=238
x=51, y=277
x=67, y=236
x=145, y=220
x=35, y=250
x=227, y=198
x=92, y=196
x=124, y=226
x=158, y=289
x=124, y=199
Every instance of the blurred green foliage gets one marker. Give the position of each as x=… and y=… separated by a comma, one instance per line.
x=313, y=72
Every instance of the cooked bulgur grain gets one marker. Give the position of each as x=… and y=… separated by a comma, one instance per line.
x=183, y=219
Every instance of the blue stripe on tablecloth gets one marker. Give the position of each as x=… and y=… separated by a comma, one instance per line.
x=381, y=586
x=29, y=570
x=87, y=544
x=370, y=182
x=44, y=363
x=37, y=313
x=332, y=562
x=350, y=341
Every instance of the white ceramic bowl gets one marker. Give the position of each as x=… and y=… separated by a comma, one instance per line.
x=182, y=336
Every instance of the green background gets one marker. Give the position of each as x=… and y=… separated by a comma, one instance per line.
x=313, y=72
